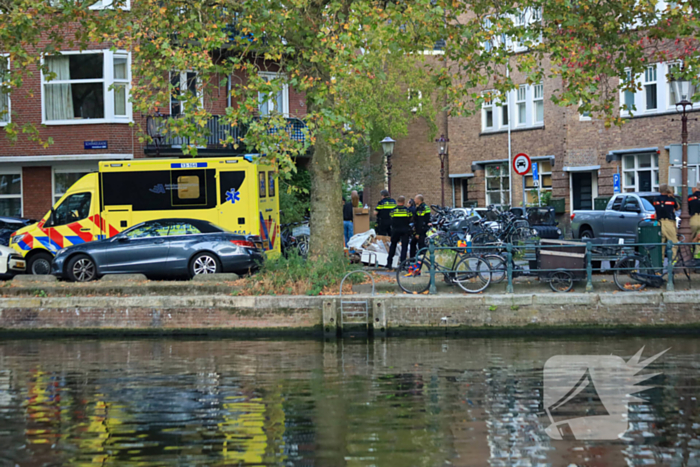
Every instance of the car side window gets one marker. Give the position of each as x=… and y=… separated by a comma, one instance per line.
x=647, y=205
x=617, y=203
x=631, y=203
x=183, y=228
x=149, y=230
x=73, y=209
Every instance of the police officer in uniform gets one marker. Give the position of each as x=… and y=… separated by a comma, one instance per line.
x=666, y=207
x=382, y=212
x=694, y=209
x=421, y=222
x=400, y=231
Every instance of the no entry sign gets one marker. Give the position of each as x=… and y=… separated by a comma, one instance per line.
x=521, y=164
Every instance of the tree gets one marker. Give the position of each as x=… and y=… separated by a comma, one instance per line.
x=355, y=60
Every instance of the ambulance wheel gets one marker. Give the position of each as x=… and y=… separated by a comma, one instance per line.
x=81, y=268
x=204, y=263
x=40, y=264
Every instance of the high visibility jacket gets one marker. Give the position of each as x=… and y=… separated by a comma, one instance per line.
x=666, y=207
x=401, y=220
x=384, y=210
x=422, y=218
x=694, y=203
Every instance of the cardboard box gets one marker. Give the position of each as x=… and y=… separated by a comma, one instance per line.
x=360, y=220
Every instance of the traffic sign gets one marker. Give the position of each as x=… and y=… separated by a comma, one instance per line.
x=616, y=183
x=535, y=175
x=521, y=164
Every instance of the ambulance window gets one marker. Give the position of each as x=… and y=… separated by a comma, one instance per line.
x=261, y=178
x=271, y=183
x=73, y=209
x=188, y=187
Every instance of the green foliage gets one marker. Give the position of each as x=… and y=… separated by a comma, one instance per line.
x=295, y=198
x=295, y=275
x=493, y=308
x=544, y=197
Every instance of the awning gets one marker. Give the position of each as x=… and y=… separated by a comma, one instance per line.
x=617, y=154
x=461, y=175
x=588, y=168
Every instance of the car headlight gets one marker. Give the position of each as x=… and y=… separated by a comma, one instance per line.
x=558, y=231
x=17, y=238
x=62, y=250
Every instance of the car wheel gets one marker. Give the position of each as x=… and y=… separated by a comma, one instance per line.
x=587, y=235
x=81, y=268
x=40, y=264
x=204, y=263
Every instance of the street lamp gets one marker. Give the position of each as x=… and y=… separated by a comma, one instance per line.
x=388, y=147
x=442, y=147
x=684, y=90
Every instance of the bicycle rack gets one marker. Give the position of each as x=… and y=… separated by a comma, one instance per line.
x=355, y=312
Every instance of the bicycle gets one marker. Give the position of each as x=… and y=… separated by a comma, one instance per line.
x=635, y=272
x=471, y=273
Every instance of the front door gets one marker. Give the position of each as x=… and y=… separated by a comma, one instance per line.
x=582, y=190
x=142, y=250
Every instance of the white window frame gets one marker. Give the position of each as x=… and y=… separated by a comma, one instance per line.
x=9, y=98
x=648, y=71
x=183, y=89
x=496, y=106
x=15, y=171
x=106, y=80
x=67, y=169
x=535, y=100
x=664, y=101
x=503, y=173
x=108, y=4
x=285, y=91
x=583, y=116
x=521, y=95
x=486, y=106
x=626, y=188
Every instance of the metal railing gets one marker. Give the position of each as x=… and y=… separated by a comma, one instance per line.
x=514, y=254
x=215, y=130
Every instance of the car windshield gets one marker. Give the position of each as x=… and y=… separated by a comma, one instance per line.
x=540, y=216
x=646, y=201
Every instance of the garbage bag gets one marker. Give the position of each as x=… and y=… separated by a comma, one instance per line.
x=359, y=241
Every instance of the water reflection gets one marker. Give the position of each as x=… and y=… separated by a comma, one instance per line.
x=397, y=402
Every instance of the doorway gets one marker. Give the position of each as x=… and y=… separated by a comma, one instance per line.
x=582, y=190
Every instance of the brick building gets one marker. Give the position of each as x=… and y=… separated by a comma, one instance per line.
x=577, y=157
x=89, y=122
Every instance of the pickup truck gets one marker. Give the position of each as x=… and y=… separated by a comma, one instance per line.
x=619, y=220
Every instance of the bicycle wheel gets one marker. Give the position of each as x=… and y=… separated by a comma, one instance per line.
x=561, y=281
x=627, y=271
x=499, y=270
x=413, y=275
x=486, y=242
x=472, y=274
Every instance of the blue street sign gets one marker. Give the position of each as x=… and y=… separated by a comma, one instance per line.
x=535, y=175
x=616, y=183
x=95, y=144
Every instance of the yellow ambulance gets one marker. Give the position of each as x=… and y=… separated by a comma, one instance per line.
x=233, y=192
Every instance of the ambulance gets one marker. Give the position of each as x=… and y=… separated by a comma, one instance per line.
x=233, y=192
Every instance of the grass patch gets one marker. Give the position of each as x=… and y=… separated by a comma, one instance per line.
x=294, y=275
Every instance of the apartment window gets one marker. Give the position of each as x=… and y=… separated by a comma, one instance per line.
x=650, y=87
x=415, y=99
x=538, y=101
x=629, y=95
x=521, y=104
x=504, y=115
x=584, y=115
x=184, y=85
x=62, y=181
x=544, y=181
x=497, y=184
x=88, y=87
x=640, y=172
x=277, y=102
x=4, y=96
x=465, y=191
x=487, y=113
x=11, y=194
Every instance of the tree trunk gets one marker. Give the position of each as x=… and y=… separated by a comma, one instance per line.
x=326, y=200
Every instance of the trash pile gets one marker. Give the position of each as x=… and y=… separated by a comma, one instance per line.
x=372, y=249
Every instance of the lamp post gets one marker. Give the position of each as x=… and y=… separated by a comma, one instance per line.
x=442, y=147
x=388, y=147
x=684, y=89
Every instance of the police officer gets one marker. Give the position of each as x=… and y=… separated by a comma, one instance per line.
x=421, y=222
x=694, y=209
x=382, y=212
x=666, y=207
x=400, y=230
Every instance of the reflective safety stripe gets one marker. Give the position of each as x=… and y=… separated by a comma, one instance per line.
x=400, y=213
x=386, y=206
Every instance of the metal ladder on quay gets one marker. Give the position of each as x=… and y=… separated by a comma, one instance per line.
x=355, y=313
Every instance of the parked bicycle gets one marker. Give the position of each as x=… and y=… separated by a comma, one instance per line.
x=636, y=272
x=295, y=237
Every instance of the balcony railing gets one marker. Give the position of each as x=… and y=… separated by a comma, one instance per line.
x=166, y=143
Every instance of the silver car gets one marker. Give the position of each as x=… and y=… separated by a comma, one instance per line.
x=165, y=247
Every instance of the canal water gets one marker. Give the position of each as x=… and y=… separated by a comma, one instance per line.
x=394, y=402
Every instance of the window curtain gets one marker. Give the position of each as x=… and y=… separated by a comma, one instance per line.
x=59, y=97
x=4, y=97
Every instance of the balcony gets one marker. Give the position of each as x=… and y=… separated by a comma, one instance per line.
x=216, y=130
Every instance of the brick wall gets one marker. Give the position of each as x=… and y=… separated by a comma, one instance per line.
x=36, y=191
